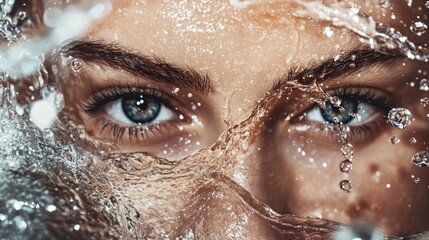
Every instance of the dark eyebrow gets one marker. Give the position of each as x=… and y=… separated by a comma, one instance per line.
x=341, y=65
x=154, y=68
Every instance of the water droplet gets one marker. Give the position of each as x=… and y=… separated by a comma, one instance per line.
x=384, y=3
x=76, y=227
x=346, y=185
x=421, y=159
x=22, y=15
x=418, y=28
x=346, y=166
x=394, y=140
x=76, y=65
x=19, y=223
x=409, y=3
x=328, y=32
x=416, y=179
x=427, y=4
x=400, y=117
x=347, y=150
x=175, y=90
x=424, y=102
x=43, y=113
x=413, y=140
x=335, y=100
x=424, y=85
x=51, y=208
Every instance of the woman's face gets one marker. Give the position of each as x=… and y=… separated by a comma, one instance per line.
x=169, y=77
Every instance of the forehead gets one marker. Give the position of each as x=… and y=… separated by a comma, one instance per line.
x=262, y=39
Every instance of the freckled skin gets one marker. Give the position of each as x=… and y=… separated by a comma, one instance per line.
x=244, y=52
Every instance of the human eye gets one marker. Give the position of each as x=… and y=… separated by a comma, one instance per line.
x=362, y=110
x=131, y=115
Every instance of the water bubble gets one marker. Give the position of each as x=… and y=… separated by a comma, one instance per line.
x=347, y=150
x=424, y=85
x=346, y=166
x=413, y=140
x=418, y=28
x=394, y=140
x=421, y=159
x=400, y=117
x=346, y=185
x=76, y=65
x=384, y=3
x=424, y=102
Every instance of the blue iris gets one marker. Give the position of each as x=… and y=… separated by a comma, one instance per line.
x=330, y=112
x=141, y=109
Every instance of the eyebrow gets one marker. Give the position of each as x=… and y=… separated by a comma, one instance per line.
x=351, y=62
x=154, y=68
x=159, y=70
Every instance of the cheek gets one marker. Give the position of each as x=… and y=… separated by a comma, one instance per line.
x=305, y=179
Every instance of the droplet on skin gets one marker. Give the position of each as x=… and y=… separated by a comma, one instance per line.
x=400, y=117
x=328, y=32
x=346, y=185
x=347, y=150
x=384, y=3
x=346, y=166
x=424, y=102
x=416, y=179
x=175, y=90
x=413, y=140
x=418, y=28
x=427, y=4
x=424, y=85
x=76, y=65
x=394, y=140
x=421, y=159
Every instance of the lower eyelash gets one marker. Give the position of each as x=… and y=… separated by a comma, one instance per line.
x=135, y=133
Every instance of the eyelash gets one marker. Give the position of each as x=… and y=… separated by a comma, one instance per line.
x=102, y=97
x=97, y=100
x=359, y=133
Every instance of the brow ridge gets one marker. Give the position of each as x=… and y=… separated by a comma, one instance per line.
x=155, y=68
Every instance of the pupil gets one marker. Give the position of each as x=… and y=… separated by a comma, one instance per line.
x=141, y=109
x=330, y=112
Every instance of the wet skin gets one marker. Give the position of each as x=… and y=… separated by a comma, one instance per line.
x=240, y=55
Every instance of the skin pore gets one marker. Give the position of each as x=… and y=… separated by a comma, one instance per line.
x=210, y=64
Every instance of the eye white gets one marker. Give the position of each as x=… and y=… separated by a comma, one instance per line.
x=115, y=111
x=365, y=112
